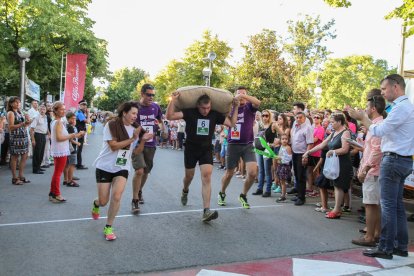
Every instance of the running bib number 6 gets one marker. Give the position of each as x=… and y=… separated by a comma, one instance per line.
x=235, y=132
x=122, y=158
x=203, y=127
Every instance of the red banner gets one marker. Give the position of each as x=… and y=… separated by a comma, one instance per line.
x=75, y=79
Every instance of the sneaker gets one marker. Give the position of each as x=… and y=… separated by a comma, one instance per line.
x=135, y=206
x=278, y=190
x=109, y=234
x=281, y=199
x=258, y=192
x=243, y=201
x=184, y=198
x=95, y=211
x=221, y=199
x=140, y=198
x=209, y=215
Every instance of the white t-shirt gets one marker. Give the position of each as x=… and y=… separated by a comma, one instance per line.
x=107, y=158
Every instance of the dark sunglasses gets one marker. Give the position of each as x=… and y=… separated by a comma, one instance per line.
x=265, y=115
x=150, y=95
x=316, y=117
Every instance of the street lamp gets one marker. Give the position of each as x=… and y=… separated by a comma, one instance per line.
x=208, y=71
x=24, y=55
x=318, y=91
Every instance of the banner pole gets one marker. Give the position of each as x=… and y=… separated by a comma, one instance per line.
x=61, y=80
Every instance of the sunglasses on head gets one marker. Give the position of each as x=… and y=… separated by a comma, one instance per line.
x=150, y=95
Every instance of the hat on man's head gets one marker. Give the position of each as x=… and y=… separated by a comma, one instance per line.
x=83, y=101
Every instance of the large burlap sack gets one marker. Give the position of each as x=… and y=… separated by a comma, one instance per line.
x=221, y=100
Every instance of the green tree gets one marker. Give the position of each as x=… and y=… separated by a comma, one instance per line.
x=346, y=81
x=188, y=71
x=122, y=88
x=265, y=72
x=404, y=12
x=49, y=29
x=306, y=49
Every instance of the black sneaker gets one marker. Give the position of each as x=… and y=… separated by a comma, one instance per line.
x=400, y=253
x=258, y=192
x=135, y=206
x=266, y=194
x=281, y=199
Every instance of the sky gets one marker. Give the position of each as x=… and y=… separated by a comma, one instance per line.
x=149, y=34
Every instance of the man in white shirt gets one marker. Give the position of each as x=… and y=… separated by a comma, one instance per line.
x=38, y=132
x=397, y=146
x=34, y=110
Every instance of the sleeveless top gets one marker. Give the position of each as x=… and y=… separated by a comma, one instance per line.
x=58, y=149
x=284, y=156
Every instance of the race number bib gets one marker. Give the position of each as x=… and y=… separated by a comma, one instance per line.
x=149, y=129
x=203, y=127
x=235, y=132
x=122, y=158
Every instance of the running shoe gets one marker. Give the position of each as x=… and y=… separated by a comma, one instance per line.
x=278, y=190
x=209, y=215
x=95, y=211
x=221, y=199
x=109, y=234
x=140, y=198
x=135, y=206
x=243, y=201
x=184, y=198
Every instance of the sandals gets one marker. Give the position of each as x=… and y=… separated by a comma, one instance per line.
x=333, y=215
x=56, y=199
x=72, y=184
x=320, y=209
x=17, y=181
x=24, y=180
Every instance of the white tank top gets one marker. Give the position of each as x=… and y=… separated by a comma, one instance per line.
x=284, y=156
x=58, y=149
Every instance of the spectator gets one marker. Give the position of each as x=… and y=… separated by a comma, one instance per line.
x=19, y=140
x=82, y=118
x=397, y=146
x=38, y=133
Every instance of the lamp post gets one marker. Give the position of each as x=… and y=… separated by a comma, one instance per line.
x=24, y=55
x=318, y=91
x=207, y=71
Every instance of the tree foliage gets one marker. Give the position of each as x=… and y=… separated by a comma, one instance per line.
x=49, y=29
x=188, y=71
x=265, y=72
x=404, y=12
x=122, y=87
x=346, y=81
x=306, y=49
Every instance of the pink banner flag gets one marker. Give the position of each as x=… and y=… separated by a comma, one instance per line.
x=75, y=79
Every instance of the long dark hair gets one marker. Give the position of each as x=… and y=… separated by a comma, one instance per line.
x=11, y=101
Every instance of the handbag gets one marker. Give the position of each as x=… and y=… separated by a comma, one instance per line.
x=331, y=168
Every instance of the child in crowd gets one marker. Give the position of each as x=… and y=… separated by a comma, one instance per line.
x=284, y=168
x=72, y=158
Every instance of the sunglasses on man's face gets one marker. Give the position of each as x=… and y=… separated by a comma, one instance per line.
x=149, y=95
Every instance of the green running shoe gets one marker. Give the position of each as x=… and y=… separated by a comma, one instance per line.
x=243, y=201
x=109, y=234
x=95, y=211
x=221, y=199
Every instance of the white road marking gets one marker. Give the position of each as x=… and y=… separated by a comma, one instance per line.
x=320, y=268
x=205, y=272
x=131, y=215
x=405, y=270
x=397, y=261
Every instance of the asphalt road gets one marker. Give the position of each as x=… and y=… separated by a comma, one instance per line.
x=38, y=237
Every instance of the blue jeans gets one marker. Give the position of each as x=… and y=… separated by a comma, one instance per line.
x=265, y=172
x=393, y=172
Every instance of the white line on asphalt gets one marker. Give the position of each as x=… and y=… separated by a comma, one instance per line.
x=131, y=215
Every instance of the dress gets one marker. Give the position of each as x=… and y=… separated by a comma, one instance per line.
x=345, y=175
x=19, y=140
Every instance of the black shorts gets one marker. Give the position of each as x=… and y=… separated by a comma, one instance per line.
x=313, y=161
x=192, y=155
x=107, y=177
